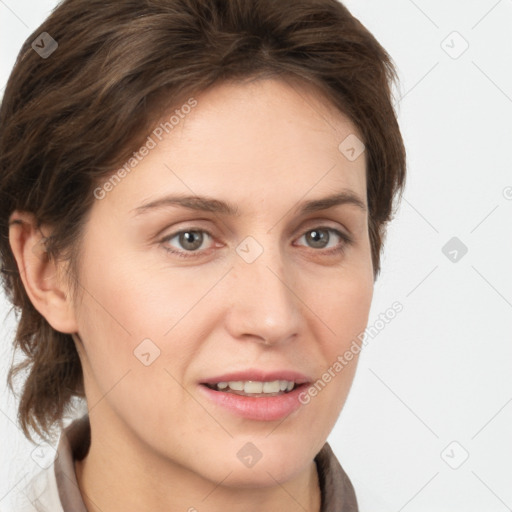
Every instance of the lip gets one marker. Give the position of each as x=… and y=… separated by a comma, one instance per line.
x=270, y=408
x=259, y=375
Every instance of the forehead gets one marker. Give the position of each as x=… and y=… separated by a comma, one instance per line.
x=262, y=141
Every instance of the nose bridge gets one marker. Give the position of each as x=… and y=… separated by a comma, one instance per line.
x=263, y=302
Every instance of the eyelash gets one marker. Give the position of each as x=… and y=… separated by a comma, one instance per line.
x=340, y=249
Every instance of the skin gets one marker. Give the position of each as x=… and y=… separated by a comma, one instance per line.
x=157, y=443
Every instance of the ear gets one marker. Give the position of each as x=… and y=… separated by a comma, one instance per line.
x=43, y=278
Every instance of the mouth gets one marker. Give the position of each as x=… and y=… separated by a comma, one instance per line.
x=254, y=388
x=256, y=395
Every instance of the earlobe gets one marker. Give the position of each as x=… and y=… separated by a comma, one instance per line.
x=42, y=276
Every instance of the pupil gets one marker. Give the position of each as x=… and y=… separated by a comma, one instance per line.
x=188, y=238
x=318, y=237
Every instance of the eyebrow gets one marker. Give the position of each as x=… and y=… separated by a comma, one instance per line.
x=209, y=204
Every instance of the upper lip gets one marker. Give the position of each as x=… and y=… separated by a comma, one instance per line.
x=258, y=375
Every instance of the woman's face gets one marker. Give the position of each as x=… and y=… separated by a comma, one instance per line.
x=268, y=292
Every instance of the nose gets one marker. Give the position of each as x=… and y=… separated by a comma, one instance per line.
x=264, y=305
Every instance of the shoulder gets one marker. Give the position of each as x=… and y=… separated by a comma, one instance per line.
x=55, y=488
x=40, y=494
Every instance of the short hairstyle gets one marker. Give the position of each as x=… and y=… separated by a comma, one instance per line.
x=69, y=120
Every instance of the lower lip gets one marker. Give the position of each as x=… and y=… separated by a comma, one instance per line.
x=270, y=408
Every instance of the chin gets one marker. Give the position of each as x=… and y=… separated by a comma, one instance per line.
x=261, y=462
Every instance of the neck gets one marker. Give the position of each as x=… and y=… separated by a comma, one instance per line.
x=119, y=473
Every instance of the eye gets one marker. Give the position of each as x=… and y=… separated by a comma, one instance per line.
x=320, y=238
x=190, y=241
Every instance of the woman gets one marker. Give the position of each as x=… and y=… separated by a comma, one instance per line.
x=194, y=200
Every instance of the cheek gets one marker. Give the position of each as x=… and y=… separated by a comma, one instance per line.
x=340, y=301
x=142, y=296
x=342, y=309
x=130, y=365
x=135, y=312
x=149, y=311
x=347, y=307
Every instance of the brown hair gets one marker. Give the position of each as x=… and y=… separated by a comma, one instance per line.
x=70, y=118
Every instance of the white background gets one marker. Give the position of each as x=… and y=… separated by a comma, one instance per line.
x=441, y=370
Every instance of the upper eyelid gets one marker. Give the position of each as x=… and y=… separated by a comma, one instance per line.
x=310, y=224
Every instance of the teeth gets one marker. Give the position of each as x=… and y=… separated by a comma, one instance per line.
x=256, y=387
x=252, y=386
x=236, y=385
x=271, y=387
